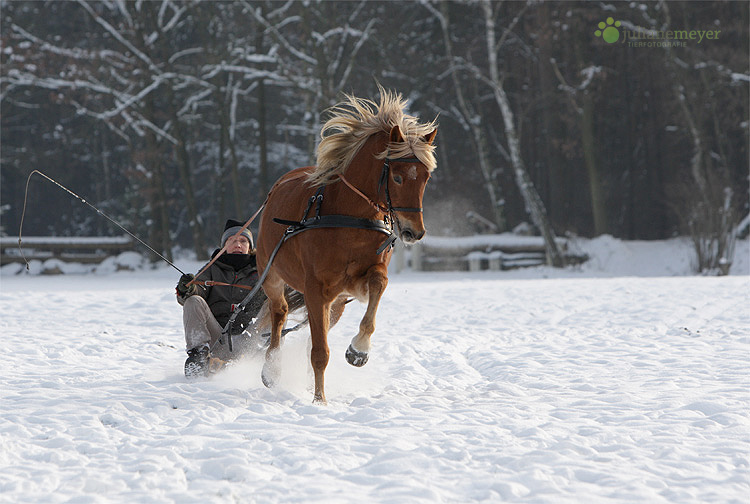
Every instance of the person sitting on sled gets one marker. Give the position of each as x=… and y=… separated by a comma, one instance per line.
x=207, y=308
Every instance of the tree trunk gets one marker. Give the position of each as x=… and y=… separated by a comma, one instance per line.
x=161, y=199
x=234, y=175
x=710, y=201
x=220, y=184
x=159, y=229
x=263, y=143
x=598, y=205
x=533, y=202
x=183, y=167
x=227, y=132
x=474, y=124
x=557, y=184
x=262, y=134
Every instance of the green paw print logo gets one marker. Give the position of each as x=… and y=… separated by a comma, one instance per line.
x=608, y=31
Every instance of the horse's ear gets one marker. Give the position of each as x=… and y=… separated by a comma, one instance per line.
x=430, y=137
x=396, y=135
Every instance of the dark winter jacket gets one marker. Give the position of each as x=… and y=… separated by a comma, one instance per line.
x=239, y=269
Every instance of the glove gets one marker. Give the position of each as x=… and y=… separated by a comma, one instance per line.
x=183, y=290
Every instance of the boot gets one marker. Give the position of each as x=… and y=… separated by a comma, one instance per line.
x=197, y=362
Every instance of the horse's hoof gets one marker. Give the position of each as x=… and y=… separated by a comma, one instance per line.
x=269, y=376
x=268, y=380
x=355, y=358
x=321, y=400
x=271, y=368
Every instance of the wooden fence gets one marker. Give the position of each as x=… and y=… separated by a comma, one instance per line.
x=79, y=249
x=482, y=252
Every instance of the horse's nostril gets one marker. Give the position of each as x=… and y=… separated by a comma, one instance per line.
x=410, y=236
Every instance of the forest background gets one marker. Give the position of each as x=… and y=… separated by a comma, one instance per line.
x=174, y=116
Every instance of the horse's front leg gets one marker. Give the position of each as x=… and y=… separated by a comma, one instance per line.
x=359, y=349
x=279, y=309
x=318, y=313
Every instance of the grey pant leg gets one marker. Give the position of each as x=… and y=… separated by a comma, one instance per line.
x=200, y=325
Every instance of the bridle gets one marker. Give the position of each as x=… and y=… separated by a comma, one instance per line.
x=384, y=177
x=389, y=209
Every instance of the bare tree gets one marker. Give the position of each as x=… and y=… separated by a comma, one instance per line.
x=704, y=201
x=493, y=78
x=534, y=204
x=470, y=118
x=128, y=86
x=582, y=102
x=316, y=48
x=176, y=114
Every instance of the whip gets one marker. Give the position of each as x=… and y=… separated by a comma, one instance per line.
x=110, y=219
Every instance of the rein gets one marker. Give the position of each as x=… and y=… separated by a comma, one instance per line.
x=378, y=208
x=211, y=283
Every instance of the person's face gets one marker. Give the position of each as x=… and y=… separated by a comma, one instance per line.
x=238, y=245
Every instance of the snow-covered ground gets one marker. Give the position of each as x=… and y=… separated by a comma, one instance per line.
x=624, y=380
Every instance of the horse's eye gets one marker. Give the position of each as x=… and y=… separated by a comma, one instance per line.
x=397, y=179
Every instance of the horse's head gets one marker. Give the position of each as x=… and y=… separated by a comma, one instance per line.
x=361, y=134
x=405, y=181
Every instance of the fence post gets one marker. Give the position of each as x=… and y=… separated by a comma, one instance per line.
x=495, y=261
x=475, y=261
x=416, y=257
x=399, y=256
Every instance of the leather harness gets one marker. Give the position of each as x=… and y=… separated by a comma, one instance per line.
x=384, y=226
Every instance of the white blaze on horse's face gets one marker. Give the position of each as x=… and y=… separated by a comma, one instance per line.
x=407, y=184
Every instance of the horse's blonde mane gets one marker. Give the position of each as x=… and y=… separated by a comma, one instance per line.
x=354, y=120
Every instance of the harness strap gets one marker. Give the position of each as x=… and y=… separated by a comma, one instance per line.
x=339, y=221
x=296, y=227
x=384, y=182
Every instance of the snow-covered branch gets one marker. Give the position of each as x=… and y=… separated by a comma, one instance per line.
x=118, y=36
x=274, y=30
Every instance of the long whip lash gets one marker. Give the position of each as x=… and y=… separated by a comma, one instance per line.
x=110, y=219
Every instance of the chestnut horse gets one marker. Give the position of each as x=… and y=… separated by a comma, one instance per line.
x=373, y=162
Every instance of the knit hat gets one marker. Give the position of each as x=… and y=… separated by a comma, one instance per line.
x=231, y=228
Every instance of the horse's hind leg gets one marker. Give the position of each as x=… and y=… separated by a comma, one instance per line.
x=359, y=349
x=274, y=289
